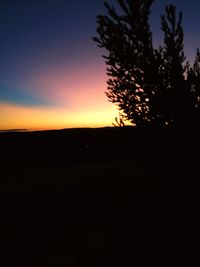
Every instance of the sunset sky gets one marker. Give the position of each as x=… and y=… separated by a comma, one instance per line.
x=52, y=74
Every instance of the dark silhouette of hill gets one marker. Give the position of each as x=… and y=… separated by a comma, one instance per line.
x=95, y=197
x=13, y=130
x=159, y=154
x=70, y=146
x=90, y=145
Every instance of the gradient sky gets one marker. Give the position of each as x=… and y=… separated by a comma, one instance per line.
x=51, y=72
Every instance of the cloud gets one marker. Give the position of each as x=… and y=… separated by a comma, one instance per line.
x=16, y=96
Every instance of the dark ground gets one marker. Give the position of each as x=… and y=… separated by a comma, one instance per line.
x=95, y=197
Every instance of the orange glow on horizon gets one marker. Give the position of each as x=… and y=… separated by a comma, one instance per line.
x=76, y=98
x=40, y=118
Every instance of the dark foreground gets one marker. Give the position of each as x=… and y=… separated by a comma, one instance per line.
x=94, y=197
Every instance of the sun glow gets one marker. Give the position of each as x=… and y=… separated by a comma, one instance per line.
x=37, y=118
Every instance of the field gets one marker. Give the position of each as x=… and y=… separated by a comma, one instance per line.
x=89, y=197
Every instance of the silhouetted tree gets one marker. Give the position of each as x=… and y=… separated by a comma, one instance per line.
x=150, y=86
x=119, y=122
x=179, y=99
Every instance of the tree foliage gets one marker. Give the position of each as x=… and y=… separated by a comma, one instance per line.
x=119, y=121
x=151, y=86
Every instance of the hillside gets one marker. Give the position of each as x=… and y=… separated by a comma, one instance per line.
x=93, y=197
x=155, y=152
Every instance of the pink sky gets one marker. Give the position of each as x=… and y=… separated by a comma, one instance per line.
x=77, y=97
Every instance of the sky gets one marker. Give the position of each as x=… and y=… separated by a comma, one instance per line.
x=52, y=74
